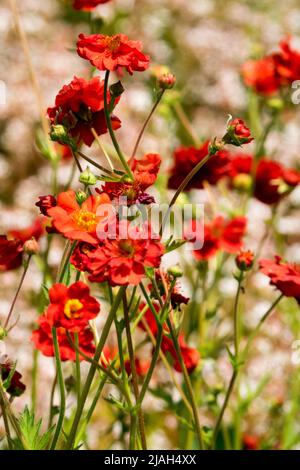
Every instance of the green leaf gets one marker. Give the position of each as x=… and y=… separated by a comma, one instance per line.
x=33, y=438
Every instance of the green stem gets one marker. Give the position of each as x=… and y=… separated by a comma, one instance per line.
x=93, y=368
x=77, y=366
x=111, y=131
x=184, y=121
x=61, y=383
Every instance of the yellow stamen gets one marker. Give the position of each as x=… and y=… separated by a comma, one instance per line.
x=85, y=220
x=72, y=308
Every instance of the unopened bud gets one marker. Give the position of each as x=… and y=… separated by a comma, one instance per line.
x=31, y=247
x=81, y=196
x=242, y=182
x=88, y=178
x=59, y=133
x=116, y=89
x=175, y=271
x=244, y=260
x=3, y=333
x=166, y=81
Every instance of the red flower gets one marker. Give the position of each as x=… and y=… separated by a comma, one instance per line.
x=80, y=222
x=237, y=133
x=16, y=387
x=164, y=281
x=46, y=202
x=122, y=260
x=149, y=319
x=191, y=356
x=112, y=52
x=244, y=260
x=220, y=234
x=11, y=247
x=271, y=180
x=186, y=158
x=87, y=5
x=287, y=63
x=250, y=442
x=42, y=338
x=79, y=106
x=284, y=276
x=145, y=172
x=142, y=367
x=72, y=307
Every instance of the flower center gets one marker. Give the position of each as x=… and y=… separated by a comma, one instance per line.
x=113, y=43
x=72, y=308
x=85, y=220
x=127, y=247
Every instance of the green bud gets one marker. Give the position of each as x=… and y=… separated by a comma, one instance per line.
x=276, y=103
x=81, y=196
x=175, y=271
x=59, y=133
x=87, y=177
x=3, y=333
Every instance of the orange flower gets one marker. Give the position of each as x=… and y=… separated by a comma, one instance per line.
x=79, y=222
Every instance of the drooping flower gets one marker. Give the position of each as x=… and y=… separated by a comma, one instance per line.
x=191, y=356
x=122, y=258
x=80, y=222
x=43, y=340
x=72, y=307
x=11, y=246
x=284, y=276
x=186, y=158
x=164, y=282
x=220, y=234
x=237, y=133
x=79, y=106
x=15, y=387
x=112, y=52
x=46, y=202
x=87, y=5
x=145, y=172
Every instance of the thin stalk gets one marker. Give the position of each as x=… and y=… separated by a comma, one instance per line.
x=134, y=373
x=17, y=292
x=183, y=119
x=95, y=164
x=93, y=368
x=77, y=366
x=99, y=143
x=34, y=376
x=111, y=131
x=61, y=383
x=52, y=401
x=141, y=133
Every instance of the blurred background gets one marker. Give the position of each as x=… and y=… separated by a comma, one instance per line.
x=204, y=43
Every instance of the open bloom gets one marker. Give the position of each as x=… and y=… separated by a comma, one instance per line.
x=112, y=52
x=15, y=387
x=145, y=172
x=80, y=222
x=269, y=74
x=42, y=338
x=87, y=5
x=11, y=246
x=79, y=106
x=284, y=276
x=186, y=158
x=122, y=259
x=72, y=307
x=219, y=234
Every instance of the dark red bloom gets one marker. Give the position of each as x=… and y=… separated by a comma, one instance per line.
x=80, y=222
x=87, y=5
x=112, y=52
x=79, y=106
x=42, y=338
x=284, y=276
x=237, y=133
x=80, y=255
x=72, y=307
x=164, y=281
x=220, y=234
x=145, y=172
x=186, y=158
x=11, y=246
x=15, y=387
x=191, y=356
x=46, y=202
x=122, y=259
x=273, y=181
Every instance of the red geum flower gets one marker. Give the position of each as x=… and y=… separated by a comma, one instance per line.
x=273, y=181
x=220, y=234
x=261, y=75
x=287, y=63
x=122, y=259
x=11, y=246
x=79, y=106
x=72, y=307
x=191, y=356
x=112, y=52
x=80, y=255
x=80, y=222
x=87, y=5
x=42, y=338
x=237, y=133
x=244, y=260
x=186, y=158
x=284, y=276
x=46, y=202
x=15, y=387
x=145, y=172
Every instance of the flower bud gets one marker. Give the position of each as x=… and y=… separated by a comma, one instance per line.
x=87, y=177
x=175, y=271
x=60, y=134
x=31, y=247
x=237, y=133
x=215, y=146
x=166, y=81
x=242, y=182
x=81, y=196
x=3, y=333
x=116, y=89
x=244, y=260
x=45, y=203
